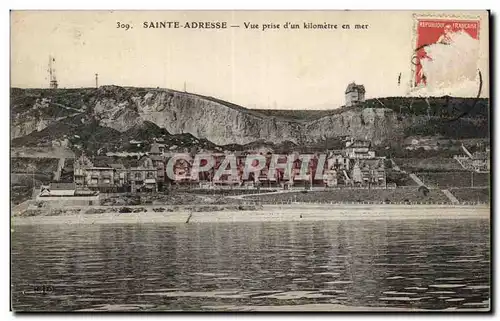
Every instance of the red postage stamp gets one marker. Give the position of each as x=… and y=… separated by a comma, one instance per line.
x=446, y=52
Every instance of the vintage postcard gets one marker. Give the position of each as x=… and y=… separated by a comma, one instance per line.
x=250, y=161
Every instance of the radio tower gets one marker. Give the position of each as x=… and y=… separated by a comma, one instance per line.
x=96, y=80
x=52, y=73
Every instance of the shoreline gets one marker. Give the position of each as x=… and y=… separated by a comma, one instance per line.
x=334, y=307
x=309, y=307
x=272, y=213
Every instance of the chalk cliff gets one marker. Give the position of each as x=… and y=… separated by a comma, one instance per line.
x=120, y=108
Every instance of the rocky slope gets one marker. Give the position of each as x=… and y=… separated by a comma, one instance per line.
x=119, y=109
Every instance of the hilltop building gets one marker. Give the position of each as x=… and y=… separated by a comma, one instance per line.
x=354, y=94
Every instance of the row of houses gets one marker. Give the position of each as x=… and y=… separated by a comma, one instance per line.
x=147, y=175
x=356, y=165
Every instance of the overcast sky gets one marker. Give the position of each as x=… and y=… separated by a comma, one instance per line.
x=282, y=68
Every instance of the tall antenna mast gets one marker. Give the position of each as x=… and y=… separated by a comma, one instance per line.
x=52, y=73
x=96, y=80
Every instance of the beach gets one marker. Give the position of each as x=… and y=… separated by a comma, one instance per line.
x=272, y=213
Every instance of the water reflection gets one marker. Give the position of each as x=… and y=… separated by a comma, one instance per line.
x=409, y=264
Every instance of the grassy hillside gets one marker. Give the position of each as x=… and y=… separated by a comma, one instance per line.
x=304, y=115
x=442, y=107
x=86, y=134
x=356, y=195
x=446, y=107
x=472, y=194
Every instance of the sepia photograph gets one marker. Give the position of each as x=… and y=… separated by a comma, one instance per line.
x=250, y=161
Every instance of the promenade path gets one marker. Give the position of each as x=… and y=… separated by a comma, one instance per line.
x=450, y=196
x=416, y=179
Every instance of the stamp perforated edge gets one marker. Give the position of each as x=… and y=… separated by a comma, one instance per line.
x=438, y=16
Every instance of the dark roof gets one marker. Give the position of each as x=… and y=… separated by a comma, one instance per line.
x=117, y=166
x=62, y=186
x=360, y=143
x=102, y=161
x=129, y=162
x=85, y=192
x=352, y=86
x=115, y=162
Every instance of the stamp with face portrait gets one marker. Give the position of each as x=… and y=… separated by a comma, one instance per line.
x=445, y=54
